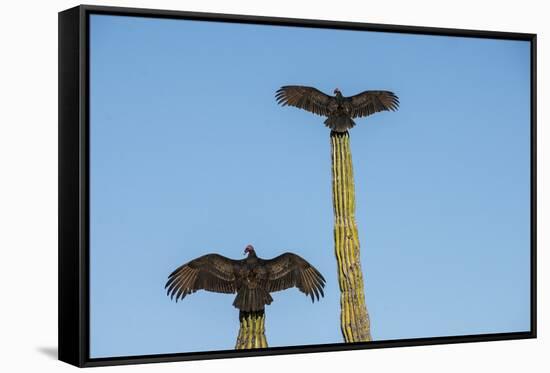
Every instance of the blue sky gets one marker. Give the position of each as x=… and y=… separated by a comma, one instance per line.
x=190, y=154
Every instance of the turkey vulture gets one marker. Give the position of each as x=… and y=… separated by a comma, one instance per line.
x=252, y=278
x=339, y=109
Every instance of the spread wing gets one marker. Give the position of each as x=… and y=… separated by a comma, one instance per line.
x=289, y=270
x=307, y=98
x=370, y=102
x=210, y=272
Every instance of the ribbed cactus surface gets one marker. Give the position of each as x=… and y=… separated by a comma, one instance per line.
x=251, y=331
x=354, y=316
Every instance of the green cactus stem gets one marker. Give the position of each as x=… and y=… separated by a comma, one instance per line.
x=354, y=316
x=251, y=331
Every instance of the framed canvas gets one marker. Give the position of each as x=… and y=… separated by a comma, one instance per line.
x=210, y=206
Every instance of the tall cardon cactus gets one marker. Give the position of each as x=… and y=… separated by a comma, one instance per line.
x=340, y=112
x=354, y=316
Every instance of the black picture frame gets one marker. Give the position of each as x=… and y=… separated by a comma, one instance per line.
x=74, y=184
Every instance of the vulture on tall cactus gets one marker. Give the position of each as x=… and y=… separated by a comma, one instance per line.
x=252, y=278
x=338, y=109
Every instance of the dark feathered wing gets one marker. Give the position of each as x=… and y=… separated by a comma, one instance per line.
x=210, y=272
x=370, y=102
x=307, y=98
x=289, y=270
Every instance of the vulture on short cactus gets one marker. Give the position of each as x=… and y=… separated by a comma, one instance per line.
x=252, y=278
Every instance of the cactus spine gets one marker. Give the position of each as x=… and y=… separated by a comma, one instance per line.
x=354, y=316
x=251, y=331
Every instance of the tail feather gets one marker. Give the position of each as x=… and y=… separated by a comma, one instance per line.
x=252, y=299
x=339, y=123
